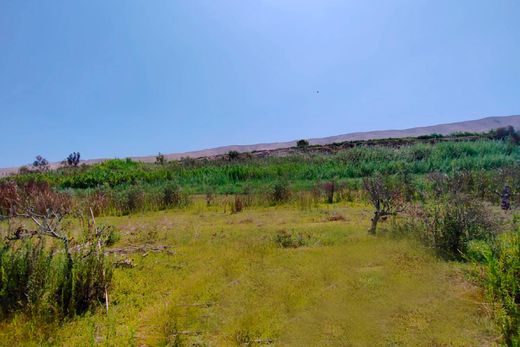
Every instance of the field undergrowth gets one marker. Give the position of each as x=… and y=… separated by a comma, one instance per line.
x=272, y=275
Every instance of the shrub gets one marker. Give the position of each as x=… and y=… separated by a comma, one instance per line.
x=431, y=136
x=438, y=183
x=112, y=236
x=8, y=196
x=40, y=163
x=43, y=274
x=451, y=224
x=98, y=201
x=24, y=170
x=502, y=283
x=134, y=200
x=385, y=197
x=302, y=144
x=171, y=195
x=73, y=159
x=159, y=159
x=503, y=133
x=36, y=194
x=286, y=239
x=233, y=155
x=280, y=192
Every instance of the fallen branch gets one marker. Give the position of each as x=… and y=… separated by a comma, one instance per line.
x=139, y=249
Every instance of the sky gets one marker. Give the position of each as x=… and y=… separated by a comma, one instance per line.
x=122, y=78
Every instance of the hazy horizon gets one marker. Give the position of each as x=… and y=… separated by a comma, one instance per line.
x=134, y=78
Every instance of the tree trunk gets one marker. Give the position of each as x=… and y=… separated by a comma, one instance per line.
x=373, y=227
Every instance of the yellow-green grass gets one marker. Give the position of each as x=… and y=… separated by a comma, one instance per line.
x=228, y=283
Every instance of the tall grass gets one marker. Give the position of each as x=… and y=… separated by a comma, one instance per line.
x=228, y=176
x=38, y=278
x=502, y=282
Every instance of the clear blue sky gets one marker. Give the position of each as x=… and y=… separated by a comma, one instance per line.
x=120, y=77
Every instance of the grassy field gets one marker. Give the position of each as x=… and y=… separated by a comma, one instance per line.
x=227, y=282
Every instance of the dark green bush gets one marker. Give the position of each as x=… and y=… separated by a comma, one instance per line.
x=302, y=144
x=233, y=155
x=280, y=192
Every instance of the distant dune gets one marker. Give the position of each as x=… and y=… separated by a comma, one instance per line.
x=478, y=125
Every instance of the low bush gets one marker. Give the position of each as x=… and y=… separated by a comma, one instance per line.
x=237, y=205
x=280, y=192
x=132, y=200
x=286, y=239
x=171, y=195
x=450, y=225
x=501, y=280
x=44, y=274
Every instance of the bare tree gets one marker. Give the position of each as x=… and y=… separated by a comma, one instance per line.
x=386, y=200
x=37, y=203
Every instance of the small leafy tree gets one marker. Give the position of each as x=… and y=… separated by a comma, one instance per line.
x=503, y=133
x=385, y=198
x=159, y=159
x=302, y=144
x=40, y=163
x=280, y=192
x=73, y=159
x=233, y=155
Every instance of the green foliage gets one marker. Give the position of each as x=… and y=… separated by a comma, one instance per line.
x=112, y=236
x=477, y=251
x=133, y=199
x=431, y=136
x=172, y=196
x=280, y=192
x=124, y=186
x=285, y=239
x=42, y=279
x=233, y=155
x=452, y=225
x=357, y=162
x=302, y=143
x=502, y=283
x=159, y=159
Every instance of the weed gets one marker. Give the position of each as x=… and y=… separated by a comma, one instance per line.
x=286, y=239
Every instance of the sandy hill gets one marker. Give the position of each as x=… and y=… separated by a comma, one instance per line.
x=478, y=125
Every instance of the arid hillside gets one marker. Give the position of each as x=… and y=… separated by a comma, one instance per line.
x=478, y=125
